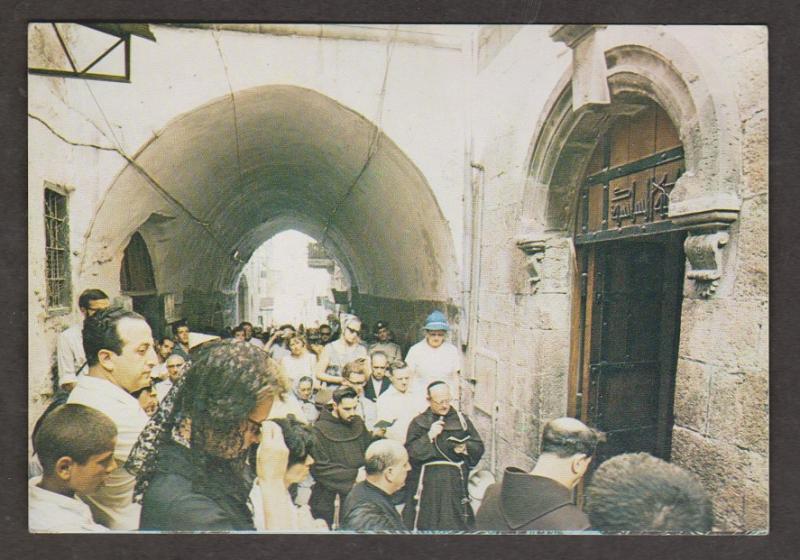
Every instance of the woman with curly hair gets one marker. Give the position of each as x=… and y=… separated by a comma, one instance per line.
x=191, y=463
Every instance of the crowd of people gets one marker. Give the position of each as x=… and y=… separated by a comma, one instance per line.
x=307, y=429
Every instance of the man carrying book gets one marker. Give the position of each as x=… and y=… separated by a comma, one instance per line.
x=443, y=445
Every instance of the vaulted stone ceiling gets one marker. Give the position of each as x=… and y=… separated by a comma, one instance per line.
x=220, y=180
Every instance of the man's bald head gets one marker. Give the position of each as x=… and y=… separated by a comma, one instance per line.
x=566, y=437
x=383, y=454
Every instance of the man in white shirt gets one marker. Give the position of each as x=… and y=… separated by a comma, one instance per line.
x=248, y=335
x=120, y=353
x=384, y=343
x=340, y=352
x=433, y=359
x=355, y=376
x=164, y=348
x=69, y=346
x=400, y=403
x=175, y=367
x=181, y=330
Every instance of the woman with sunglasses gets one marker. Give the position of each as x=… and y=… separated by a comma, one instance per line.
x=340, y=352
x=191, y=459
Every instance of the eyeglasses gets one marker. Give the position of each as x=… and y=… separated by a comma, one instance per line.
x=354, y=331
x=442, y=402
x=254, y=427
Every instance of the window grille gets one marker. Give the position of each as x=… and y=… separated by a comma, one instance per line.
x=56, y=220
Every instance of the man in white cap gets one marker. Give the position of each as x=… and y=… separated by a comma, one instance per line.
x=434, y=359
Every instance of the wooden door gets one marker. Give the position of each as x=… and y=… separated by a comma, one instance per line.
x=630, y=338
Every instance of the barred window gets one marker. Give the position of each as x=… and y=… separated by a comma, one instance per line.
x=56, y=224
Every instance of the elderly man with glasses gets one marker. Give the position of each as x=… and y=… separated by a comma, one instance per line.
x=443, y=446
x=434, y=358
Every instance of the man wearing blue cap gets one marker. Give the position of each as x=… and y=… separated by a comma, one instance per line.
x=434, y=359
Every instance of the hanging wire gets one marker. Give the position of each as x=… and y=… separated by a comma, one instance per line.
x=373, y=146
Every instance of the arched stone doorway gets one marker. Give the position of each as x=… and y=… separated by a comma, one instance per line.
x=220, y=180
x=243, y=299
x=137, y=281
x=638, y=74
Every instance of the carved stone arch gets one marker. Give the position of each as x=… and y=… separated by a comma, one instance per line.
x=645, y=64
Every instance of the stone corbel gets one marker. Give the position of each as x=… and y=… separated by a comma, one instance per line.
x=704, y=253
x=707, y=219
x=534, y=255
x=589, y=70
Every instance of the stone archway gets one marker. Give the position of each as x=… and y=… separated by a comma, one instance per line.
x=218, y=181
x=636, y=65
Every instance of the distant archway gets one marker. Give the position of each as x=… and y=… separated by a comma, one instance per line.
x=218, y=181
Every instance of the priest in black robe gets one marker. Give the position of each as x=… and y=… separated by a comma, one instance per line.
x=443, y=446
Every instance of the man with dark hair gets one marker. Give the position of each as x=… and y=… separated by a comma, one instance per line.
x=383, y=343
x=75, y=446
x=342, y=440
x=181, y=330
x=443, y=445
x=238, y=334
x=369, y=506
x=325, y=333
x=164, y=347
x=120, y=352
x=69, y=347
x=247, y=326
x=639, y=493
x=542, y=499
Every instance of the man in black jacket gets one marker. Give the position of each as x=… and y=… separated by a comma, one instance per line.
x=542, y=499
x=369, y=507
x=342, y=440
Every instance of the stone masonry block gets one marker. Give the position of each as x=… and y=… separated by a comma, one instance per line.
x=691, y=395
x=726, y=472
x=497, y=263
x=552, y=396
x=552, y=350
x=723, y=332
x=752, y=262
x=739, y=410
x=753, y=79
x=755, y=154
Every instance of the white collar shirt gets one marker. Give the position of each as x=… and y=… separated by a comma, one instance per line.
x=112, y=504
x=50, y=512
x=70, y=356
x=400, y=407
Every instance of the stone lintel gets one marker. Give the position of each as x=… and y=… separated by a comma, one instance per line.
x=589, y=71
x=571, y=34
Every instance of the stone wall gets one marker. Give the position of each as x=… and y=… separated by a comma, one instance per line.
x=721, y=396
x=722, y=388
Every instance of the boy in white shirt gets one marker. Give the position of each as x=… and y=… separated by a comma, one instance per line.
x=75, y=445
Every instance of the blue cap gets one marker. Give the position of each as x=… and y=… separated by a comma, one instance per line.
x=436, y=321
